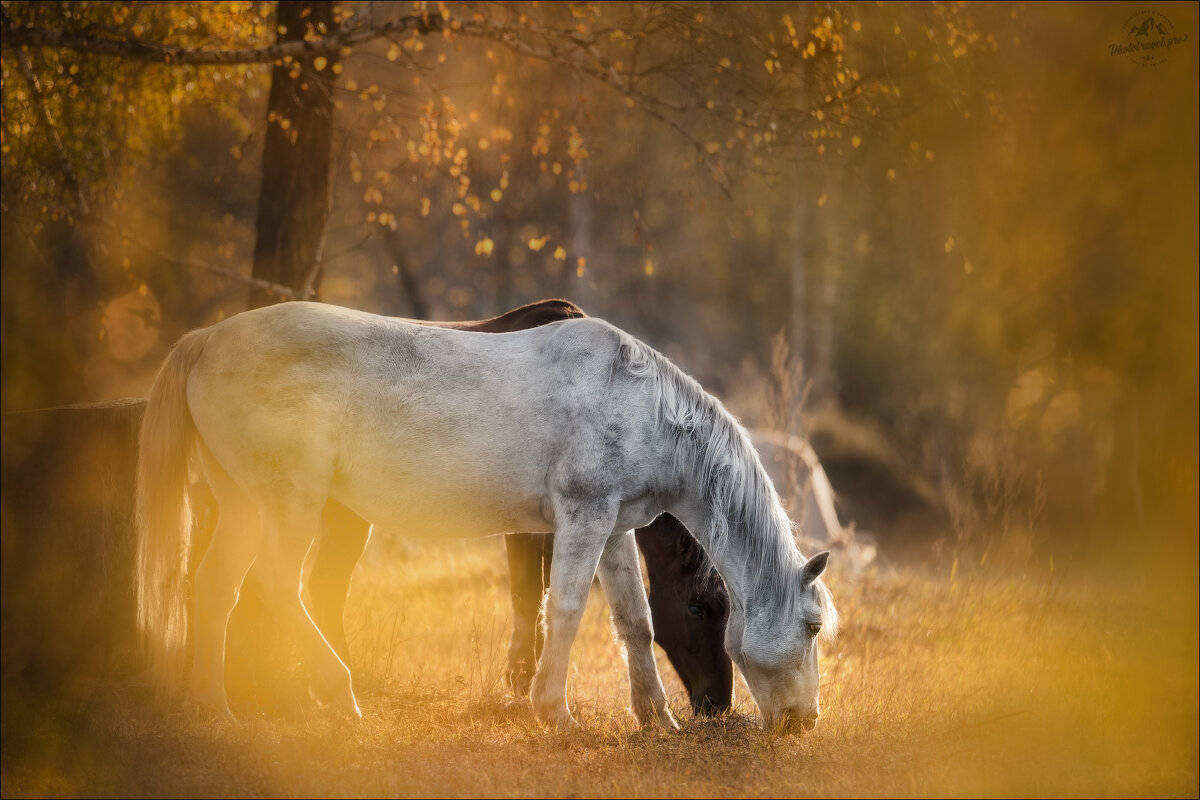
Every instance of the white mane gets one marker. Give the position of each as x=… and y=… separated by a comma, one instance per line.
x=712, y=449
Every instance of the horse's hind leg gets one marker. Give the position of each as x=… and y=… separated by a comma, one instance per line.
x=288, y=532
x=217, y=581
x=621, y=575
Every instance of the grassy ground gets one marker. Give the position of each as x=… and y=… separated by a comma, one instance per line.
x=990, y=685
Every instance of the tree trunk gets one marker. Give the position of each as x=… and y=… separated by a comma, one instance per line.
x=822, y=300
x=408, y=282
x=798, y=295
x=581, y=279
x=294, y=199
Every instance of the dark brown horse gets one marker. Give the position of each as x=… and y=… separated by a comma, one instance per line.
x=688, y=602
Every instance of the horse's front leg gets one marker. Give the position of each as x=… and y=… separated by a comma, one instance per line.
x=621, y=576
x=581, y=531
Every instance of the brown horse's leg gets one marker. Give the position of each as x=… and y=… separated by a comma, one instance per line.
x=527, y=579
x=344, y=536
x=620, y=573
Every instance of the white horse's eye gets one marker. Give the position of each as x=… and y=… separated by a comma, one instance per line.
x=814, y=628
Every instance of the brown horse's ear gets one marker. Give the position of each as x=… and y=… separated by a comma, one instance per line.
x=814, y=567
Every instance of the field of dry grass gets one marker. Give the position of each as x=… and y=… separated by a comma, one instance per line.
x=1076, y=684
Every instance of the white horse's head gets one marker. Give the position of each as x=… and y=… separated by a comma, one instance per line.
x=776, y=649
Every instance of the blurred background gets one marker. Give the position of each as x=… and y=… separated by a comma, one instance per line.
x=955, y=245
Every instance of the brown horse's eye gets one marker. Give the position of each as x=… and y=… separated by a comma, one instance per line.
x=696, y=611
x=814, y=628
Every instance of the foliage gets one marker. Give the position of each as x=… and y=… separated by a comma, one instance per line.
x=111, y=113
x=924, y=194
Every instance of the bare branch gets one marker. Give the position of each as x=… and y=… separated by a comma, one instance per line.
x=142, y=50
x=589, y=61
x=277, y=289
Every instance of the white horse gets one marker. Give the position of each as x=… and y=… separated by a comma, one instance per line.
x=575, y=428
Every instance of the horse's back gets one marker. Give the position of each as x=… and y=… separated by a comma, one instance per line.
x=401, y=421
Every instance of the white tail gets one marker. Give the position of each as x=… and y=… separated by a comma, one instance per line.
x=164, y=516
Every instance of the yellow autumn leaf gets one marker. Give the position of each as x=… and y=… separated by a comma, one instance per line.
x=560, y=254
x=539, y=242
x=770, y=65
x=425, y=206
x=713, y=147
x=393, y=52
x=855, y=141
x=496, y=195
x=648, y=267
x=319, y=63
x=484, y=247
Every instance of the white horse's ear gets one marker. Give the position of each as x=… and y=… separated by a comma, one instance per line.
x=814, y=567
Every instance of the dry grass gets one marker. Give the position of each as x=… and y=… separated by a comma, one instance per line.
x=989, y=686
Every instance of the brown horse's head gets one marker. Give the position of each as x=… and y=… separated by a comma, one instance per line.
x=690, y=605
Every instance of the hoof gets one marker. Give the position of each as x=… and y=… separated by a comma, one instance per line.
x=663, y=719
x=667, y=721
x=520, y=678
x=557, y=719
x=337, y=696
x=353, y=713
x=346, y=708
x=211, y=709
